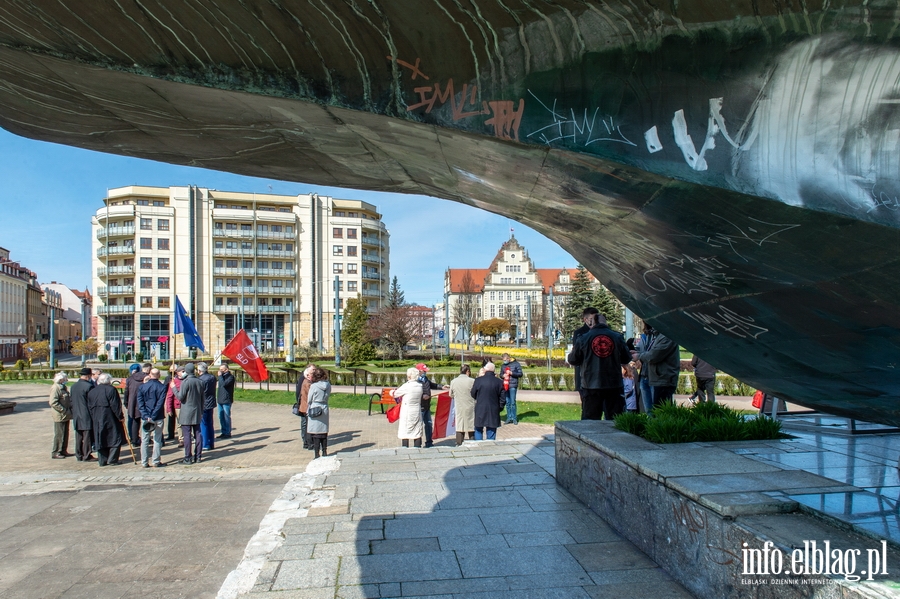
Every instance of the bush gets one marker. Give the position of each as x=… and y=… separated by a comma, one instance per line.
x=21, y=364
x=632, y=422
x=139, y=357
x=764, y=427
x=102, y=357
x=671, y=429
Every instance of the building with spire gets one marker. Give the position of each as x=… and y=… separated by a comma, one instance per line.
x=511, y=288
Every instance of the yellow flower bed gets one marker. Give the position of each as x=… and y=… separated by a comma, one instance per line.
x=522, y=352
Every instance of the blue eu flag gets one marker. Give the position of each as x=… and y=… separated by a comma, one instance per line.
x=184, y=324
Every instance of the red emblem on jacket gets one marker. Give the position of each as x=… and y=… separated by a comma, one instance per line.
x=602, y=346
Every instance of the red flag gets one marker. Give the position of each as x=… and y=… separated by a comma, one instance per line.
x=241, y=350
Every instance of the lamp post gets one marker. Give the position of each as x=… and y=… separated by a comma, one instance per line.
x=83, y=337
x=337, y=321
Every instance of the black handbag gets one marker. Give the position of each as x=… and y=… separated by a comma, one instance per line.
x=315, y=412
x=296, y=409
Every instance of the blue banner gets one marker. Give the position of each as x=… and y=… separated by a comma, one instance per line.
x=185, y=326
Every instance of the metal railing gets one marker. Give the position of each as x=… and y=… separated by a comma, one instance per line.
x=232, y=252
x=371, y=276
x=221, y=270
x=103, y=271
x=275, y=235
x=233, y=233
x=276, y=290
x=369, y=240
x=126, y=231
x=226, y=290
x=276, y=272
x=116, y=290
x=119, y=250
x=128, y=309
x=276, y=253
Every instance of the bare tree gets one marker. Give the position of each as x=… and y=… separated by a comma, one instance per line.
x=394, y=327
x=465, y=310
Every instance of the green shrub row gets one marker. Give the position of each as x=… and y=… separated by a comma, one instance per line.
x=708, y=422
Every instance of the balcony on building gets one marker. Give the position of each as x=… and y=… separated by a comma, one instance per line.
x=276, y=291
x=104, y=271
x=105, y=310
x=226, y=290
x=123, y=230
x=119, y=250
x=114, y=212
x=370, y=293
x=373, y=241
x=222, y=270
x=233, y=252
x=276, y=235
x=233, y=233
x=232, y=309
x=370, y=259
x=276, y=253
x=115, y=290
x=276, y=272
x=371, y=276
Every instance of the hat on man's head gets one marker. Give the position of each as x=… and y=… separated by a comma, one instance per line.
x=189, y=368
x=421, y=367
x=134, y=368
x=85, y=372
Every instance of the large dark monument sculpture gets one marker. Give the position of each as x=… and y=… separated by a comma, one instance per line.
x=731, y=168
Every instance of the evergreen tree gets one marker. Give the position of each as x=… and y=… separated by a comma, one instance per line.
x=580, y=297
x=354, y=334
x=610, y=307
x=396, y=298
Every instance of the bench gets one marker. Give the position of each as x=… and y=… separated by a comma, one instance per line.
x=382, y=399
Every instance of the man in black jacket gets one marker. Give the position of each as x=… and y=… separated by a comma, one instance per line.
x=489, y=401
x=586, y=316
x=225, y=397
x=81, y=416
x=601, y=353
x=207, y=424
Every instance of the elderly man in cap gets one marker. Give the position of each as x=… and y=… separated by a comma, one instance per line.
x=427, y=386
x=151, y=401
x=132, y=385
x=191, y=397
x=81, y=415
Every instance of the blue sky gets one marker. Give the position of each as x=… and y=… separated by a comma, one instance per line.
x=50, y=191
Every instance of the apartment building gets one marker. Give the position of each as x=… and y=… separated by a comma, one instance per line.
x=261, y=262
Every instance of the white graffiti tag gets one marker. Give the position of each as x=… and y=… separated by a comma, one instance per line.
x=728, y=321
x=584, y=131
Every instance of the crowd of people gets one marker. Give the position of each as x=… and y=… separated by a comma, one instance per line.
x=613, y=375
x=104, y=421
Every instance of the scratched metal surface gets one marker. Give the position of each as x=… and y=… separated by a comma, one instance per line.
x=729, y=168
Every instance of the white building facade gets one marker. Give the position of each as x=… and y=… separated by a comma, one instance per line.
x=262, y=262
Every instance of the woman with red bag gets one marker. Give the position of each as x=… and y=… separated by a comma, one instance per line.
x=410, y=425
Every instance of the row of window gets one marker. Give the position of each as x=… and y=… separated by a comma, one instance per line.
x=338, y=232
x=338, y=268
x=161, y=263
x=498, y=295
x=248, y=301
x=162, y=243
x=338, y=250
x=259, y=208
x=162, y=224
x=249, y=227
x=248, y=245
x=289, y=283
x=146, y=302
x=146, y=282
x=275, y=264
x=513, y=268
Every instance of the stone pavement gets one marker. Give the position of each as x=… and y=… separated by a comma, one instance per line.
x=485, y=520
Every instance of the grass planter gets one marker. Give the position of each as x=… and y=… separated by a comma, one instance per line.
x=707, y=421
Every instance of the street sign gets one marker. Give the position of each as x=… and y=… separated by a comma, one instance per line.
x=441, y=335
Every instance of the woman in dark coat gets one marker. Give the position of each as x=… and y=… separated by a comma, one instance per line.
x=488, y=393
x=105, y=406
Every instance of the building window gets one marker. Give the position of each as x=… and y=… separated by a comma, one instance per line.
x=276, y=265
x=162, y=243
x=248, y=263
x=158, y=203
x=289, y=266
x=146, y=224
x=162, y=283
x=277, y=283
x=337, y=250
x=231, y=226
x=162, y=263
x=246, y=227
x=231, y=264
x=509, y=296
x=248, y=301
x=337, y=268
x=493, y=311
x=162, y=224
x=337, y=233
x=146, y=301
x=492, y=295
x=351, y=233
x=162, y=302
x=246, y=245
x=218, y=245
x=218, y=263
x=231, y=301
x=351, y=250
x=263, y=283
x=276, y=228
x=146, y=282
x=146, y=243
x=143, y=202
x=339, y=213
x=262, y=264
x=351, y=268
x=351, y=285
x=146, y=262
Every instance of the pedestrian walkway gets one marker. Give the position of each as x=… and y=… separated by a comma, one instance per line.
x=485, y=520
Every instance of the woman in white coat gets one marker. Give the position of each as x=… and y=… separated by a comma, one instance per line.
x=317, y=411
x=410, y=421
